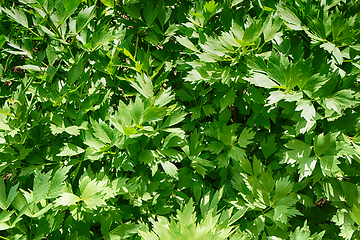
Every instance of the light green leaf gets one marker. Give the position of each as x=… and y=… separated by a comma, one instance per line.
x=170, y=169
x=108, y=3
x=73, y=130
x=41, y=185
x=148, y=235
x=237, y=30
x=329, y=166
x=143, y=85
x=43, y=211
x=5, y=217
x=210, y=6
x=338, y=56
x=57, y=182
x=102, y=131
x=283, y=187
x=124, y=231
x=174, y=118
x=186, y=43
x=18, y=15
x=307, y=109
x=84, y=17
x=347, y=230
x=287, y=15
x=171, y=30
x=163, y=97
x=51, y=54
x=261, y=80
x=67, y=199
x=273, y=26
x=70, y=149
x=301, y=233
x=31, y=67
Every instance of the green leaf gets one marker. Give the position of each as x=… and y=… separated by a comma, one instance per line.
x=146, y=156
x=273, y=26
x=57, y=182
x=268, y=146
x=163, y=97
x=108, y=3
x=132, y=10
x=187, y=43
x=245, y=137
x=5, y=202
x=253, y=32
x=215, y=147
x=237, y=153
x=228, y=99
x=143, y=85
x=51, y=54
x=75, y=72
x=351, y=192
x=2, y=195
x=174, y=118
x=2, y=40
x=84, y=17
x=287, y=15
x=150, y=13
x=102, y=131
x=41, y=185
x=18, y=15
x=329, y=166
x=70, y=149
x=196, y=112
x=283, y=187
x=323, y=142
x=301, y=233
x=70, y=6
x=124, y=231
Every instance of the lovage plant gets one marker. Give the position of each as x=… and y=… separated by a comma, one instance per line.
x=166, y=119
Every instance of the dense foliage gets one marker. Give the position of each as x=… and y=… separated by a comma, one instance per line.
x=165, y=119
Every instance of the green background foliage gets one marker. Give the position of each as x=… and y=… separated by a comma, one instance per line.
x=168, y=119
